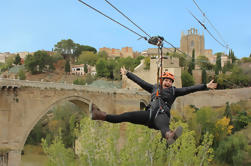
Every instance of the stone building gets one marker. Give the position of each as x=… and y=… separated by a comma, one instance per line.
x=112, y=52
x=78, y=70
x=192, y=40
x=3, y=56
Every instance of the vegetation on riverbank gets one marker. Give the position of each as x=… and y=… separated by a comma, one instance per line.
x=212, y=136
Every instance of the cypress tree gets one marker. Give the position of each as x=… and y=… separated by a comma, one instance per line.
x=218, y=64
x=191, y=66
x=231, y=56
x=227, y=112
x=17, y=60
x=204, y=76
x=67, y=67
x=193, y=59
x=85, y=68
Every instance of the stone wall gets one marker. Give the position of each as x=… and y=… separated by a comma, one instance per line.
x=112, y=52
x=197, y=76
x=213, y=98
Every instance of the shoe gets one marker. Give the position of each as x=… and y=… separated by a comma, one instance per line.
x=96, y=114
x=172, y=136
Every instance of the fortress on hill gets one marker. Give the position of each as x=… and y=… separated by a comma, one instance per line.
x=192, y=40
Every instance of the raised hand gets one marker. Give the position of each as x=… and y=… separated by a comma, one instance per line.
x=212, y=85
x=123, y=70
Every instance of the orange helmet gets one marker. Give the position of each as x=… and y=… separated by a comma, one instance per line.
x=167, y=75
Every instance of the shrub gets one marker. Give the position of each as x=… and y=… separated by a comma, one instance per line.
x=232, y=150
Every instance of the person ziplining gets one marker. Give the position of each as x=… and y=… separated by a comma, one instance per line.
x=163, y=94
x=157, y=114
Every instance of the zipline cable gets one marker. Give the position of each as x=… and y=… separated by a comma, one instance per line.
x=127, y=18
x=207, y=29
x=136, y=24
x=210, y=23
x=112, y=19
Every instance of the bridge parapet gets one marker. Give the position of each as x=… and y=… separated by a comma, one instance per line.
x=7, y=83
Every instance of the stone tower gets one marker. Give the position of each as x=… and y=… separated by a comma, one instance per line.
x=192, y=40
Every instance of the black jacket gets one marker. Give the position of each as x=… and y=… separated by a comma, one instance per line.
x=168, y=95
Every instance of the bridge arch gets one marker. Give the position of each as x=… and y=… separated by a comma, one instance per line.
x=81, y=102
x=143, y=103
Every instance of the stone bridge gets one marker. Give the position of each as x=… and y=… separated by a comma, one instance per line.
x=24, y=103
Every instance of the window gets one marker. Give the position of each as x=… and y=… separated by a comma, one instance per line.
x=192, y=44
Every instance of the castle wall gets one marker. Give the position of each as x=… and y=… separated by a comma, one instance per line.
x=112, y=52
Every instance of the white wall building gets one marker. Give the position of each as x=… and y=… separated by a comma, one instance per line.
x=3, y=56
x=78, y=70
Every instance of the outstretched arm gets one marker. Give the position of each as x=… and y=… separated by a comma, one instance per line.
x=212, y=85
x=195, y=88
x=143, y=84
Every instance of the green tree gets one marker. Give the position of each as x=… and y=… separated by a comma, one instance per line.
x=79, y=81
x=187, y=79
x=21, y=75
x=183, y=59
x=228, y=67
x=218, y=63
x=185, y=151
x=193, y=59
x=96, y=146
x=241, y=120
x=99, y=148
x=88, y=79
x=191, y=65
x=232, y=150
x=103, y=55
x=204, y=63
x=101, y=68
x=110, y=65
x=39, y=62
x=57, y=153
x=67, y=67
x=232, y=56
x=202, y=121
x=227, y=112
x=36, y=134
x=66, y=48
x=88, y=57
x=204, y=76
x=30, y=64
x=17, y=60
x=80, y=48
x=85, y=68
x=116, y=72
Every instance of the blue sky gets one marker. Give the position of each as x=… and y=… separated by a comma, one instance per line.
x=31, y=25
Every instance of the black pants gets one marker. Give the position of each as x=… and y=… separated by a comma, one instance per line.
x=161, y=122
